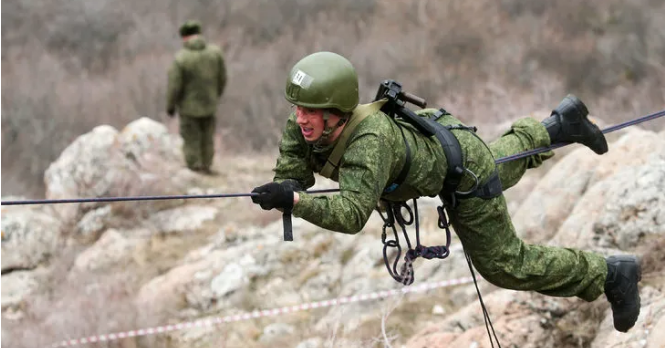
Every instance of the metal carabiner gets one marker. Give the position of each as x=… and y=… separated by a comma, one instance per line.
x=442, y=222
x=397, y=211
x=389, y=218
x=476, y=183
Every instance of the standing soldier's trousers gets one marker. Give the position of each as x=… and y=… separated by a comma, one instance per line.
x=198, y=145
x=488, y=235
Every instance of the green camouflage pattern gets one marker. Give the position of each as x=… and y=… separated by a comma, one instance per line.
x=197, y=78
x=375, y=155
x=488, y=235
x=198, y=142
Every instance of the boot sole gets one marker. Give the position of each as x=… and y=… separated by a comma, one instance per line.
x=639, y=262
x=599, y=144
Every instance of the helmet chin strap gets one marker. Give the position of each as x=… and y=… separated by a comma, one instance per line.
x=322, y=142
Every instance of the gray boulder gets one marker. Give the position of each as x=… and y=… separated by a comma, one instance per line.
x=29, y=237
x=618, y=212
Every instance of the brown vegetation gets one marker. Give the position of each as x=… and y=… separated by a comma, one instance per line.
x=68, y=66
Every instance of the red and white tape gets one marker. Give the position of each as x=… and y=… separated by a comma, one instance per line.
x=262, y=313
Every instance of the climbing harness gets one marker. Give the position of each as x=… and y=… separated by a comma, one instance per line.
x=391, y=92
x=394, y=107
x=449, y=195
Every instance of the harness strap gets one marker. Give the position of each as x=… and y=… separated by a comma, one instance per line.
x=358, y=115
x=454, y=157
x=490, y=189
x=449, y=194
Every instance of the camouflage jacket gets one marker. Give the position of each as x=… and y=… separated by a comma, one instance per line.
x=197, y=78
x=373, y=159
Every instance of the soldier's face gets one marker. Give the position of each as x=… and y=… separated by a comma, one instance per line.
x=311, y=122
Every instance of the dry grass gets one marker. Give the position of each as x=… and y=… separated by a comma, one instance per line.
x=69, y=66
x=75, y=307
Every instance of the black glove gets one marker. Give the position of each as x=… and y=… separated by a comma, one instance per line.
x=276, y=195
x=171, y=112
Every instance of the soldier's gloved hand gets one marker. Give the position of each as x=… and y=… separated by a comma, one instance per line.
x=275, y=195
x=171, y=112
x=295, y=186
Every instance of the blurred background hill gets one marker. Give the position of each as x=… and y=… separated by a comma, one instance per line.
x=68, y=66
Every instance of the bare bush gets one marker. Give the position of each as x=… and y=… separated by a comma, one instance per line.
x=74, y=306
x=71, y=65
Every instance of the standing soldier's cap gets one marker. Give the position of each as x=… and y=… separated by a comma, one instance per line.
x=190, y=27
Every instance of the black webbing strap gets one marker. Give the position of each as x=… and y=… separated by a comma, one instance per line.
x=454, y=159
x=490, y=189
x=455, y=169
x=288, y=234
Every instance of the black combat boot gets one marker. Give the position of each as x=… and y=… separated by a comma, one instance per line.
x=624, y=273
x=568, y=123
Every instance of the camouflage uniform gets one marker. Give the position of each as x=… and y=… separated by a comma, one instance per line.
x=374, y=157
x=369, y=158
x=197, y=79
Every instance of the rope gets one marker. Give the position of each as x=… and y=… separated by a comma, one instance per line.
x=141, y=198
x=230, y=195
x=558, y=145
x=262, y=313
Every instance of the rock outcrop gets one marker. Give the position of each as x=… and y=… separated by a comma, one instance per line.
x=188, y=260
x=106, y=162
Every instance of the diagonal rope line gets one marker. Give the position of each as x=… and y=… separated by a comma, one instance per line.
x=558, y=145
x=141, y=198
x=263, y=313
x=230, y=195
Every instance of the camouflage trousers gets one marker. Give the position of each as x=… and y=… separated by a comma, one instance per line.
x=489, y=237
x=198, y=144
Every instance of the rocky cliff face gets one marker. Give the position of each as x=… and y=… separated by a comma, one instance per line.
x=77, y=270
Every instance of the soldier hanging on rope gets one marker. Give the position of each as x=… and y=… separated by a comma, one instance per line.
x=376, y=157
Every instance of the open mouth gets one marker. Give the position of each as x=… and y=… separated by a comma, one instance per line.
x=307, y=132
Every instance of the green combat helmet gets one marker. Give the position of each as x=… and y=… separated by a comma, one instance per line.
x=190, y=27
x=323, y=80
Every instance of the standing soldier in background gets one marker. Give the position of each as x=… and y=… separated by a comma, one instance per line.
x=197, y=78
